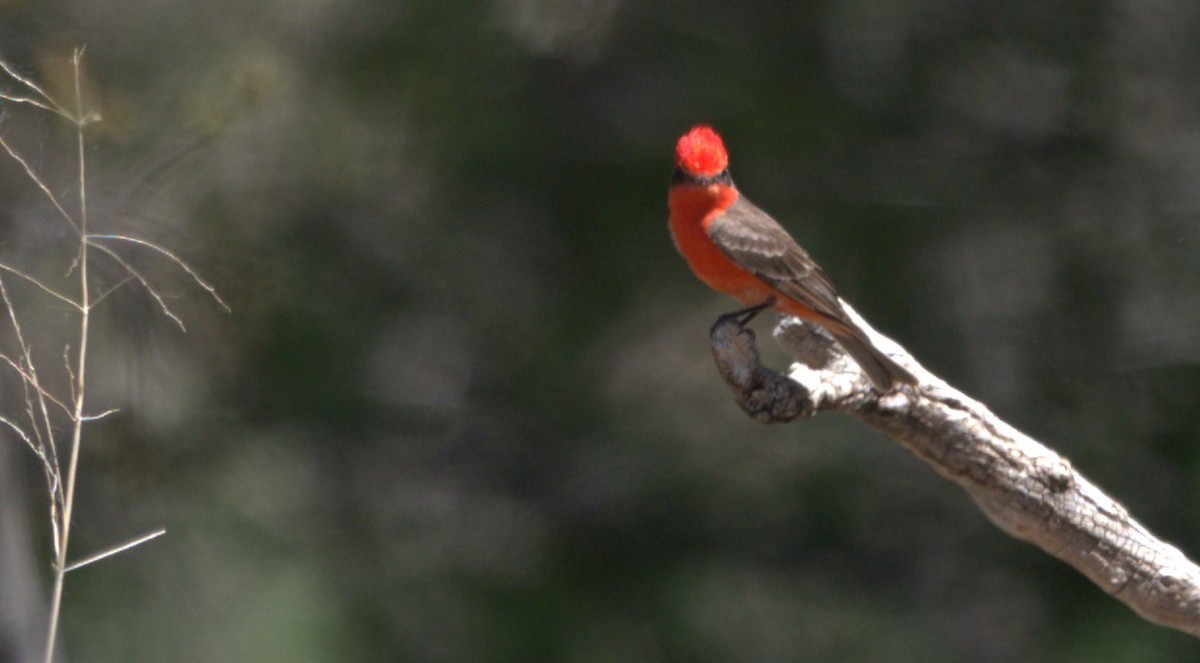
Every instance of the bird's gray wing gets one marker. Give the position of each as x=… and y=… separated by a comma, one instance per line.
x=754, y=241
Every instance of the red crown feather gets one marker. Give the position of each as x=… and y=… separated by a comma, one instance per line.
x=701, y=153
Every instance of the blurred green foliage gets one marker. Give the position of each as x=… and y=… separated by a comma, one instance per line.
x=463, y=409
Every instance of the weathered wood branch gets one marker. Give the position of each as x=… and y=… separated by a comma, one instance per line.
x=1026, y=489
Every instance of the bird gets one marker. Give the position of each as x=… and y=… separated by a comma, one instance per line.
x=737, y=249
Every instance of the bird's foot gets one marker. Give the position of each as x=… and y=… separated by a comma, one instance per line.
x=742, y=317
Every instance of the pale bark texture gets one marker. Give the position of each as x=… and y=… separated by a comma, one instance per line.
x=1025, y=488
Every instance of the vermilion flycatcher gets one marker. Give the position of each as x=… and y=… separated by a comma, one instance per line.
x=736, y=248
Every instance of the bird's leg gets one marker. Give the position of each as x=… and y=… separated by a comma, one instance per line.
x=742, y=316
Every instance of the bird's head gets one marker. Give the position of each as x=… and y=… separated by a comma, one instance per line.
x=701, y=154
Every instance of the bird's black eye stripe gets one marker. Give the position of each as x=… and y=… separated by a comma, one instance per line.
x=681, y=177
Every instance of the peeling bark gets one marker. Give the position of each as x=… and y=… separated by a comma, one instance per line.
x=1025, y=488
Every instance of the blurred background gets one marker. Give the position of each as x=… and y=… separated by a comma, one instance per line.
x=463, y=408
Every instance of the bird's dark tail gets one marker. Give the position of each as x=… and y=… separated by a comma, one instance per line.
x=883, y=371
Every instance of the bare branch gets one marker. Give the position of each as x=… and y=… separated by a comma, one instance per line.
x=115, y=550
x=104, y=295
x=1026, y=489
x=43, y=442
x=162, y=303
x=26, y=100
x=30, y=379
x=100, y=415
x=38, y=432
x=765, y=395
x=49, y=104
x=24, y=436
x=79, y=380
x=40, y=184
x=70, y=374
x=39, y=284
x=212, y=291
x=39, y=450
